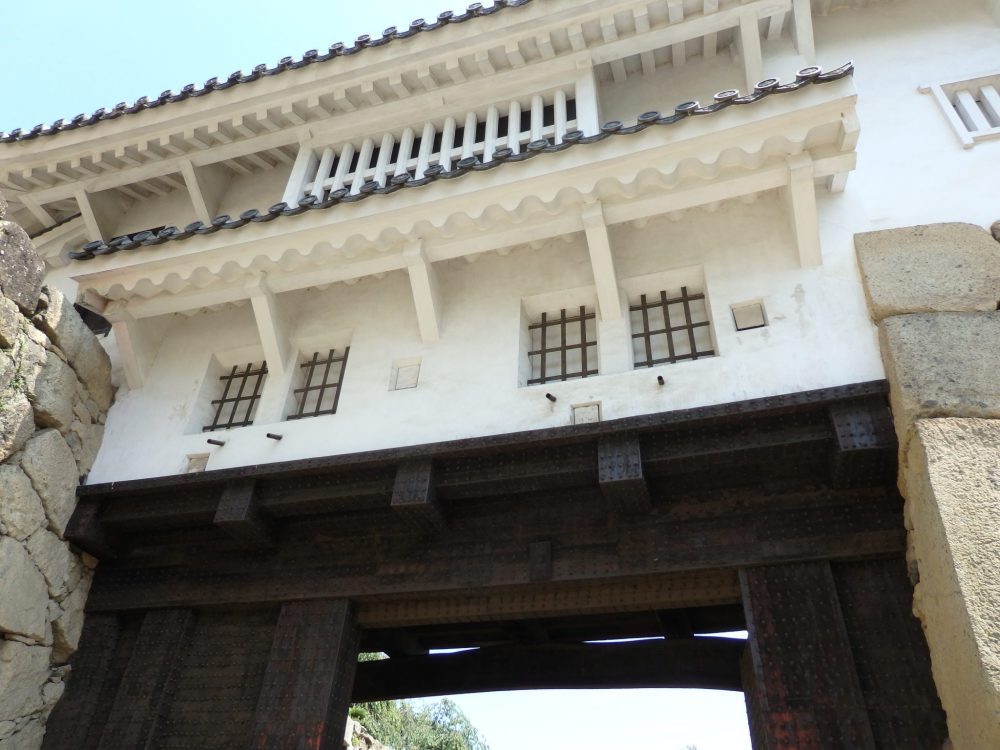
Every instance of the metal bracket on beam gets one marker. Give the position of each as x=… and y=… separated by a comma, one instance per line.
x=238, y=517
x=623, y=485
x=414, y=497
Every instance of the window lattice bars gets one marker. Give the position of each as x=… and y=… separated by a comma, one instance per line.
x=677, y=338
x=320, y=389
x=574, y=336
x=238, y=410
x=408, y=152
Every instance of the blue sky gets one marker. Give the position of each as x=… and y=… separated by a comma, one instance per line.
x=64, y=57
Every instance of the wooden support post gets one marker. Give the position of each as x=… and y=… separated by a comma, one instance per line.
x=753, y=61
x=206, y=186
x=271, y=326
x=100, y=214
x=802, y=30
x=620, y=474
x=802, y=208
x=77, y=720
x=146, y=687
x=426, y=297
x=37, y=210
x=238, y=517
x=602, y=262
x=138, y=341
x=588, y=115
x=303, y=170
x=307, y=685
x=414, y=497
x=801, y=682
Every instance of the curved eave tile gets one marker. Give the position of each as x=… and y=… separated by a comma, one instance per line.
x=683, y=111
x=340, y=49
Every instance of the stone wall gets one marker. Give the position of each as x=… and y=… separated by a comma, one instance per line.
x=934, y=292
x=55, y=388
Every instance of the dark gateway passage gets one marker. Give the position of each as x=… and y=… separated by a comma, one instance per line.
x=230, y=606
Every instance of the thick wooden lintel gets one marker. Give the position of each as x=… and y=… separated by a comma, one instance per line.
x=709, y=663
x=864, y=441
x=620, y=475
x=414, y=498
x=238, y=517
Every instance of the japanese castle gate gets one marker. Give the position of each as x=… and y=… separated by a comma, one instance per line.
x=230, y=606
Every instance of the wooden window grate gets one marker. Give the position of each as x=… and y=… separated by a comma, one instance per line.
x=670, y=329
x=563, y=347
x=238, y=410
x=323, y=378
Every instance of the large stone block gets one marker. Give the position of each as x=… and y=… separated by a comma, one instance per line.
x=21, y=512
x=17, y=422
x=951, y=479
x=24, y=670
x=932, y=268
x=50, y=464
x=53, y=394
x=24, y=597
x=28, y=736
x=10, y=323
x=3, y=207
x=64, y=326
x=942, y=365
x=51, y=555
x=21, y=270
x=68, y=624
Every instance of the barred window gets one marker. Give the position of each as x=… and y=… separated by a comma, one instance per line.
x=240, y=394
x=670, y=328
x=321, y=379
x=563, y=346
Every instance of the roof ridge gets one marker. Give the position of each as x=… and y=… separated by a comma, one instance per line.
x=339, y=49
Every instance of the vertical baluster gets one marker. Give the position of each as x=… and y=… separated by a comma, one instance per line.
x=364, y=161
x=426, y=148
x=514, y=127
x=447, y=144
x=537, y=116
x=560, y=114
x=384, y=156
x=343, y=166
x=492, y=124
x=322, y=173
x=469, y=135
x=405, y=147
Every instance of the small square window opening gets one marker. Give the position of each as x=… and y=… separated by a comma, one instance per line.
x=322, y=380
x=670, y=328
x=749, y=315
x=240, y=394
x=563, y=347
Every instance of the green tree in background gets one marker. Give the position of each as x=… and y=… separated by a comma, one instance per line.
x=436, y=726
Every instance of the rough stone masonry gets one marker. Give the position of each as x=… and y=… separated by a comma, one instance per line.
x=934, y=292
x=55, y=388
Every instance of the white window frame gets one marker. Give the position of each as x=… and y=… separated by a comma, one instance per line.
x=961, y=94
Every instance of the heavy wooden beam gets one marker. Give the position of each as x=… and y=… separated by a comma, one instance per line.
x=306, y=692
x=146, y=687
x=708, y=663
x=802, y=209
x=238, y=517
x=426, y=295
x=863, y=441
x=602, y=262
